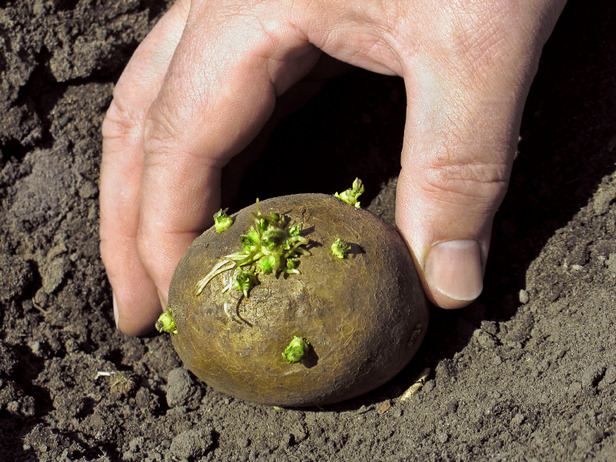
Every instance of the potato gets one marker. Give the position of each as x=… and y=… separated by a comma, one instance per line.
x=326, y=330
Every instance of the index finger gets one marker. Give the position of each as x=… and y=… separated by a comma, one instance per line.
x=136, y=303
x=219, y=91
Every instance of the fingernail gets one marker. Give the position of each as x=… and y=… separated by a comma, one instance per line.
x=115, y=310
x=454, y=268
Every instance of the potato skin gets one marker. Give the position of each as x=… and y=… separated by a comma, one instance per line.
x=364, y=316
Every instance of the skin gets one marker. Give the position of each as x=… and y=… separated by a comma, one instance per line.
x=206, y=80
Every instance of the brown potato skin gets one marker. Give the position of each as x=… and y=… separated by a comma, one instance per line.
x=365, y=316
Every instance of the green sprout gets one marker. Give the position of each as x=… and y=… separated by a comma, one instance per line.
x=351, y=195
x=272, y=245
x=222, y=221
x=245, y=280
x=295, y=351
x=166, y=323
x=340, y=248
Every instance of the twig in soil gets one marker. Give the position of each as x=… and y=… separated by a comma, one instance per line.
x=413, y=389
x=40, y=308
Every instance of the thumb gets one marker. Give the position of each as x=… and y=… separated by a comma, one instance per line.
x=461, y=132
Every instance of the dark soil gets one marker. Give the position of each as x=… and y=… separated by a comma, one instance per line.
x=528, y=372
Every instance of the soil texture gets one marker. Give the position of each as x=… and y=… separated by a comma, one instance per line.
x=526, y=373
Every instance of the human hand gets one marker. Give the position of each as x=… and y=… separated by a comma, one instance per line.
x=206, y=79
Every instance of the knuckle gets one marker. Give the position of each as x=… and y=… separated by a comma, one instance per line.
x=465, y=182
x=120, y=121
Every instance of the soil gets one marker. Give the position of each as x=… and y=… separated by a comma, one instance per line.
x=528, y=372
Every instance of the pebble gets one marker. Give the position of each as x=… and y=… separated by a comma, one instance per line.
x=442, y=437
x=524, y=297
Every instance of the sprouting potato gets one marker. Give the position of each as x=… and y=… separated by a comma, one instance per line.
x=303, y=300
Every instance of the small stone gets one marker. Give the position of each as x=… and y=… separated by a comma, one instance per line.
x=442, y=437
x=524, y=297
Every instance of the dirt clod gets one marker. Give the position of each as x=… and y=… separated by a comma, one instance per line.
x=182, y=389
